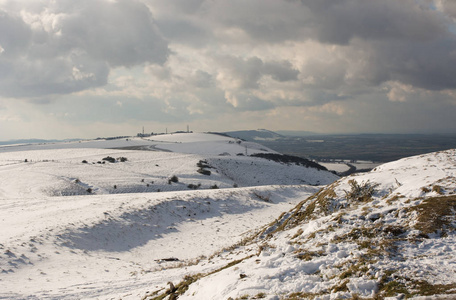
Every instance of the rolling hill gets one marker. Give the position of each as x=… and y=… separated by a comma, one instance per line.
x=268, y=231
x=106, y=218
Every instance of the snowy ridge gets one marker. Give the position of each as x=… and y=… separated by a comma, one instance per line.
x=387, y=233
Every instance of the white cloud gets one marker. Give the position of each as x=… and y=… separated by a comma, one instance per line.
x=60, y=47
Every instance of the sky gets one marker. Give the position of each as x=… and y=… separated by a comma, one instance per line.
x=97, y=68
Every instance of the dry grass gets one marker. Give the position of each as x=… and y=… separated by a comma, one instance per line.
x=436, y=214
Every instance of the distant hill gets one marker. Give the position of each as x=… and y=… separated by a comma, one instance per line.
x=296, y=133
x=255, y=135
x=27, y=141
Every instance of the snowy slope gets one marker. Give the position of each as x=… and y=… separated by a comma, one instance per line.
x=66, y=171
x=392, y=237
x=74, y=247
x=77, y=227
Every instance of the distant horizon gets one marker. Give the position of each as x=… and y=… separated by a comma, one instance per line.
x=298, y=132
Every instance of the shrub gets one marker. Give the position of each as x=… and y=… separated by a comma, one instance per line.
x=192, y=186
x=360, y=192
x=288, y=159
x=173, y=179
x=84, y=161
x=203, y=165
x=214, y=186
x=204, y=172
x=438, y=189
x=110, y=159
x=122, y=159
x=89, y=190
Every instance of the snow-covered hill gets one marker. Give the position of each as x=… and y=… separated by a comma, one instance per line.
x=107, y=219
x=255, y=135
x=387, y=233
x=191, y=161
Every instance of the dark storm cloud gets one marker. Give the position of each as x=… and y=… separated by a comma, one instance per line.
x=427, y=65
x=337, y=22
x=67, y=46
x=409, y=41
x=15, y=35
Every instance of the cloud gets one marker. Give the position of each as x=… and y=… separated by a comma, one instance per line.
x=60, y=47
x=239, y=73
x=338, y=22
x=205, y=60
x=447, y=6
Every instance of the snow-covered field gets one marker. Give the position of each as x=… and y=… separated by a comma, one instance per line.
x=77, y=226
x=123, y=230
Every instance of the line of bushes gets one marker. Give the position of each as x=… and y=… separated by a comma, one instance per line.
x=287, y=159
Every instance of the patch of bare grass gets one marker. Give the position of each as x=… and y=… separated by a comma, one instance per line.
x=435, y=214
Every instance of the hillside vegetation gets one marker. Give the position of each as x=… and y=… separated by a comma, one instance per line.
x=387, y=233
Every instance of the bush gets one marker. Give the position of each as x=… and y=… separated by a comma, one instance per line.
x=110, y=159
x=173, y=179
x=193, y=186
x=122, y=159
x=214, y=186
x=89, y=190
x=84, y=161
x=438, y=189
x=360, y=192
x=204, y=172
x=203, y=164
x=288, y=159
